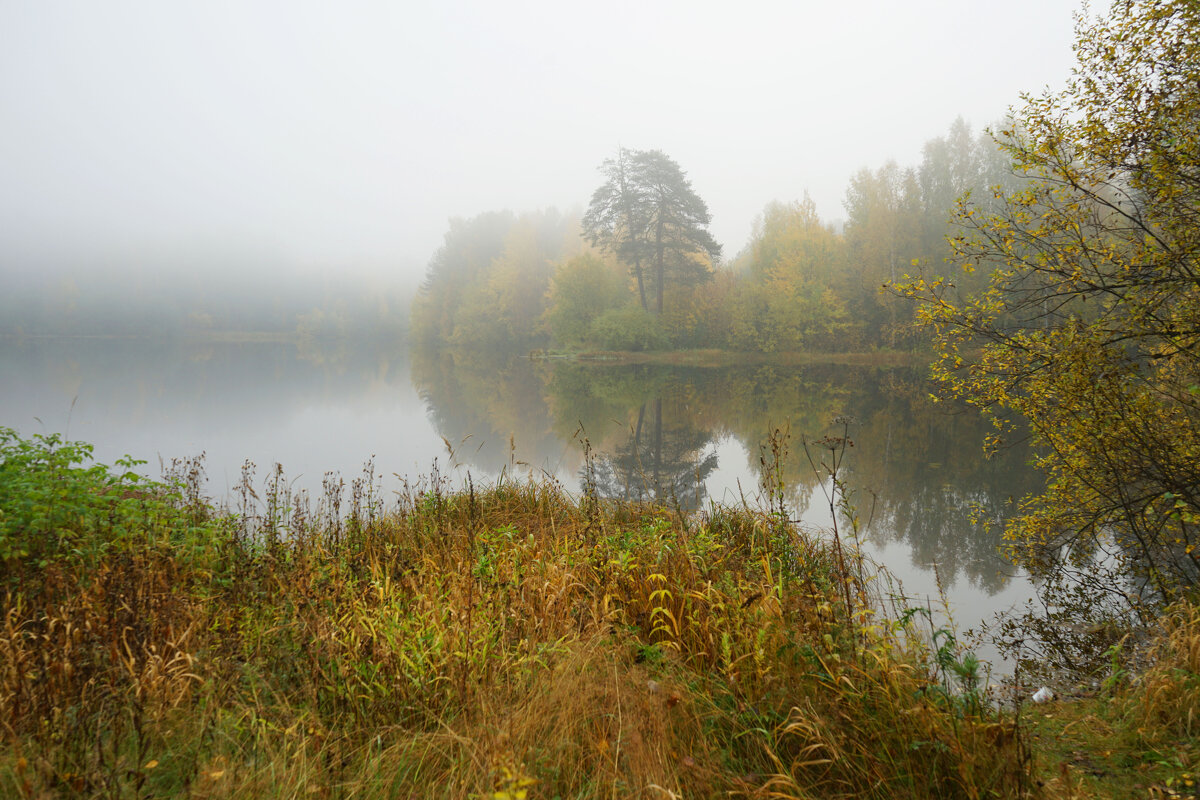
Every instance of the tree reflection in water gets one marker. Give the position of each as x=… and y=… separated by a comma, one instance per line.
x=663, y=463
x=670, y=433
x=655, y=431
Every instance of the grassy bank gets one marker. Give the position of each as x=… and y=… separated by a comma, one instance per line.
x=728, y=358
x=503, y=642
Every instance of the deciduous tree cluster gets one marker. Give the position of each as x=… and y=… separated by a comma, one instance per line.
x=1087, y=322
x=640, y=271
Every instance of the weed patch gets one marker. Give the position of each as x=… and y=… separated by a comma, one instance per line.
x=506, y=641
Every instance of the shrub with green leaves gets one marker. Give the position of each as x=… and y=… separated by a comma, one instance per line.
x=628, y=328
x=56, y=505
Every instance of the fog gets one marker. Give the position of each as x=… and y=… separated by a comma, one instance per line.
x=308, y=138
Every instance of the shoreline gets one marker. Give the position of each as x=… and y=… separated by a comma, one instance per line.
x=729, y=358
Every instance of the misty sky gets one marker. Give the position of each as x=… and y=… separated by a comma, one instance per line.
x=315, y=135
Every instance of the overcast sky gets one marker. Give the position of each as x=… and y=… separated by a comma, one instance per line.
x=346, y=134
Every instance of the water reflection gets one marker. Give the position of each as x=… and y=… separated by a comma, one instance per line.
x=493, y=413
x=308, y=408
x=681, y=435
x=661, y=462
x=657, y=431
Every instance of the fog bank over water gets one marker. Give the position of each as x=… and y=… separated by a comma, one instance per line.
x=316, y=137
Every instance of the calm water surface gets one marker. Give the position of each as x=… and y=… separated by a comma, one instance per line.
x=685, y=435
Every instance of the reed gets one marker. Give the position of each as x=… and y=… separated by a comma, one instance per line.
x=504, y=642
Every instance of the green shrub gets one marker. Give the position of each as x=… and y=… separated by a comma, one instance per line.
x=628, y=328
x=56, y=507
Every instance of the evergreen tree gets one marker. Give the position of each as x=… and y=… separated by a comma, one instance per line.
x=648, y=215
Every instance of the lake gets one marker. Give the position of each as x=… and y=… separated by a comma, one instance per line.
x=931, y=506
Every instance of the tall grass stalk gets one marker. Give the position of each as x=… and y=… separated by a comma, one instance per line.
x=503, y=642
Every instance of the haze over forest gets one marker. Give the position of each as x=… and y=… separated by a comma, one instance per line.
x=242, y=147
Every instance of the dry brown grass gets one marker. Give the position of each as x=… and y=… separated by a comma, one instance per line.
x=1164, y=704
x=508, y=642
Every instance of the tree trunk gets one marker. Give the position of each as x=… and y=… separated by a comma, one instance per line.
x=658, y=444
x=637, y=448
x=632, y=228
x=659, y=266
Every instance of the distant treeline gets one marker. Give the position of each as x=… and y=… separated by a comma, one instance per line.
x=536, y=280
x=149, y=302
